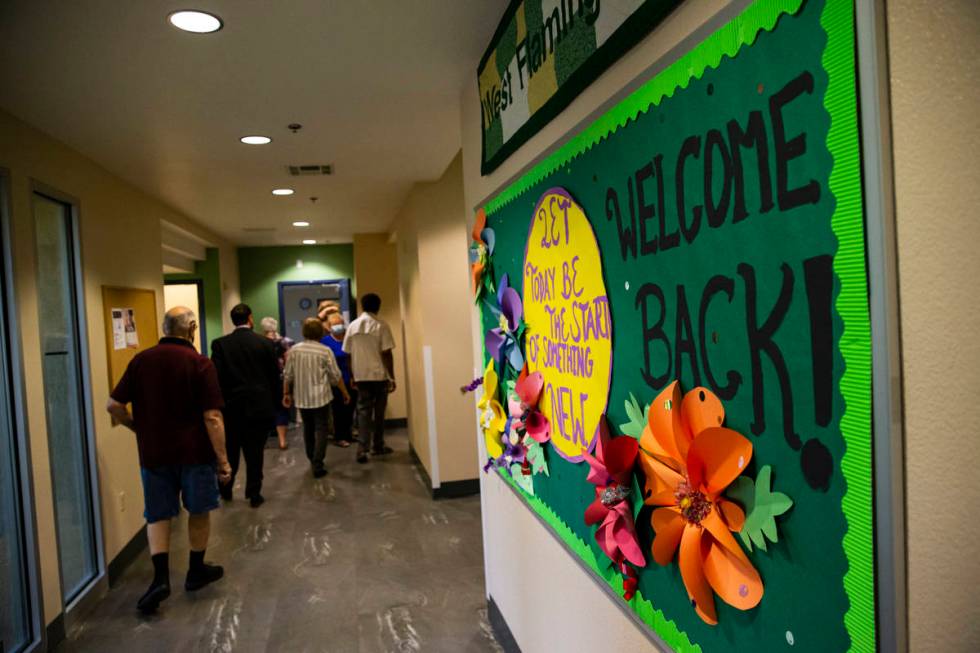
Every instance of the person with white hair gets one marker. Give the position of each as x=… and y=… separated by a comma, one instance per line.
x=180, y=437
x=270, y=329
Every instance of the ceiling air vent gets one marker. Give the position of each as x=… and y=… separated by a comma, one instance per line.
x=304, y=171
x=259, y=230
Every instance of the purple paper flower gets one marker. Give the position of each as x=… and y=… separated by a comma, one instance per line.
x=502, y=342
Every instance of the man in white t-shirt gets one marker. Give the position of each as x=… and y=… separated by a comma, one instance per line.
x=369, y=344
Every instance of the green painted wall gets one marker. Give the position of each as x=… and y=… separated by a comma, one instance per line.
x=260, y=269
x=208, y=272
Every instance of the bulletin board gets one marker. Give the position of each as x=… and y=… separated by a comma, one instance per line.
x=677, y=341
x=143, y=303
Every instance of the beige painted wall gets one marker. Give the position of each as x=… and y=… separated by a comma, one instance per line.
x=120, y=245
x=434, y=276
x=376, y=270
x=935, y=78
x=412, y=326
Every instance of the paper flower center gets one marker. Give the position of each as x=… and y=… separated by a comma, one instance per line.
x=613, y=494
x=693, y=504
x=504, y=325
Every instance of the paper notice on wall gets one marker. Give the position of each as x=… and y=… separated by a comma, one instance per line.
x=129, y=324
x=118, y=329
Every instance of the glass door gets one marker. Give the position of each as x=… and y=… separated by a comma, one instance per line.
x=17, y=593
x=68, y=441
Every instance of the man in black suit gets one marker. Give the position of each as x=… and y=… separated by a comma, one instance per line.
x=249, y=376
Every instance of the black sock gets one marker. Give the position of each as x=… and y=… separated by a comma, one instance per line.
x=161, y=568
x=197, y=561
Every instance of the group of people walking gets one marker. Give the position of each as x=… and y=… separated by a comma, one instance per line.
x=196, y=418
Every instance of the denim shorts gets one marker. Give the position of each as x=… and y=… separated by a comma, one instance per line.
x=164, y=486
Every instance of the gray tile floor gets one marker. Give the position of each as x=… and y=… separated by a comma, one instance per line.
x=361, y=561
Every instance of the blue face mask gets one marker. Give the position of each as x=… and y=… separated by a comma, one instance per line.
x=337, y=329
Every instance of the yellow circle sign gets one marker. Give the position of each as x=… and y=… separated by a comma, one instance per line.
x=569, y=328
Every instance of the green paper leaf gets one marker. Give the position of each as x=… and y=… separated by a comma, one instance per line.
x=526, y=483
x=636, y=493
x=535, y=456
x=761, y=506
x=637, y=415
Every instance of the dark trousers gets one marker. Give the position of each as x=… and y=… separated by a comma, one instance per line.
x=372, y=399
x=316, y=430
x=249, y=441
x=343, y=415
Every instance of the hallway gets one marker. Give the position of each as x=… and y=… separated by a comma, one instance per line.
x=360, y=561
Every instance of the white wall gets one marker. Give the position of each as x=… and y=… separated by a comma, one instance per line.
x=525, y=588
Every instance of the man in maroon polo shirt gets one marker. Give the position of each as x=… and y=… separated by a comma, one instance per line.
x=180, y=435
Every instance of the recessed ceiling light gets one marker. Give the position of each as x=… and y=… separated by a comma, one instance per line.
x=196, y=22
x=255, y=140
x=301, y=223
x=282, y=191
x=309, y=241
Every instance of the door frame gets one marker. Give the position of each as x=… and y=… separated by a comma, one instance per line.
x=201, y=308
x=21, y=433
x=345, y=296
x=99, y=578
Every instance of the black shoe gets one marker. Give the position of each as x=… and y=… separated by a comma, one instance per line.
x=362, y=457
x=256, y=500
x=207, y=574
x=225, y=491
x=150, y=601
x=319, y=473
x=383, y=451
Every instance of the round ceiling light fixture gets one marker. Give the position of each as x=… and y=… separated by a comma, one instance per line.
x=301, y=223
x=309, y=241
x=282, y=191
x=195, y=22
x=255, y=140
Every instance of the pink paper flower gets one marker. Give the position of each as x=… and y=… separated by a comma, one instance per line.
x=611, y=471
x=525, y=408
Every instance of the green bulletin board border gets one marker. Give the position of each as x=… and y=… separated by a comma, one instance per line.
x=847, y=224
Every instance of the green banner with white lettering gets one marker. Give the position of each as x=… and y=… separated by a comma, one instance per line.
x=543, y=54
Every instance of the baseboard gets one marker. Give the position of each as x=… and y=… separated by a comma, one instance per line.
x=449, y=489
x=456, y=489
x=501, y=631
x=54, y=634
x=129, y=553
x=396, y=423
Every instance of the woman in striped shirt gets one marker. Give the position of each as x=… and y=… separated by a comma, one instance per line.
x=311, y=369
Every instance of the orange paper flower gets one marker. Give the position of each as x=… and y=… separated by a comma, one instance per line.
x=689, y=459
x=481, y=249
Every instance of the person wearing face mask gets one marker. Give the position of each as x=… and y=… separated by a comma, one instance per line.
x=343, y=413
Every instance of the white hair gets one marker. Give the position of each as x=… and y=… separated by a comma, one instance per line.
x=179, y=324
x=270, y=325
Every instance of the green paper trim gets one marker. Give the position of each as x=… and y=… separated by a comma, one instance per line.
x=665, y=629
x=847, y=224
x=725, y=42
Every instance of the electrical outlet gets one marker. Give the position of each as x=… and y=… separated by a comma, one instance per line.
x=121, y=501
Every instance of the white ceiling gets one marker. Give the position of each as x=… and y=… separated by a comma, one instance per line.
x=375, y=84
